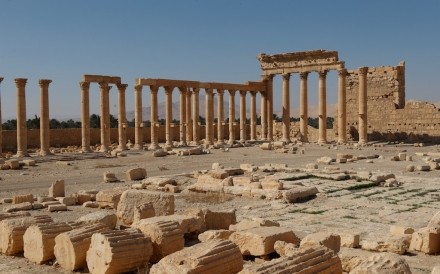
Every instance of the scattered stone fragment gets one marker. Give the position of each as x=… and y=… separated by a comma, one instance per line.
x=109, y=198
x=214, y=219
x=410, y=168
x=384, y=263
x=266, y=146
x=400, y=230
x=423, y=168
x=90, y=204
x=13, y=164
x=18, y=199
x=325, y=160
x=57, y=189
x=105, y=217
x=109, y=177
x=68, y=201
x=60, y=207
x=299, y=193
x=136, y=174
x=252, y=223
x=215, y=234
x=329, y=240
x=311, y=166
x=4, y=216
x=18, y=207
x=350, y=240
x=426, y=240
x=160, y=153
x=393, y=245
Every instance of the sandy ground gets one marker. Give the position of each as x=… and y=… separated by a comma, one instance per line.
x=367, y=211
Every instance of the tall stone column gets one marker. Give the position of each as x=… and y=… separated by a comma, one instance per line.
x=85, y=117
x=342, y=113
x=138, y=121
x=122, y=117
x=303, y=107
x=242, y=116
x=168, y=116
x=1, y=128
x=44, y=117
x=209, y=133
x=263, y=115
x=21, y=117
x=363, y=105
x=154, y=117
x=189, y=129
x=286, y=107
x=195, y=113
x=231, y=116
x=104, y=124
x=182, y=126
x=269, y=100
x=322, y=106
x=220, y=117
x=253, y=115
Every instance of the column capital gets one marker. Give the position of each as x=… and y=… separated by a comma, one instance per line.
x=231, y=92
x=138, y=88
x=322, y=74
x=286, y=76
x=209, y=91
x=220, y=91
x=342, y=72
x=154, y=89
x=20, y=82
x=362, y=70
x=183, y=90
x=1, y=79
x=253, y=93
x=243, y=92
x=84, y=85
x=303, y=75
x=196, y=90
x=121, y=87
x=44, y=82
x=168, y=89
x=104, y=86
x=267, y=77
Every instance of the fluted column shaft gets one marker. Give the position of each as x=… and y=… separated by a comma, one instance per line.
x=253, y=115
x=303, y=107
x=322, y=108
x=44, y=117
x=363, y=105
x=105, y=116
x=269, y=100
x=154, y=118
x=195, y=113
x=122, y=117
x=182, y=126
x=168, y=115
x=85, y=117
x=231, y=116
x=21, y=117
x=209, y=133
x=189, y=129
x=263, y=115
x=138, y=123
x=242, y=116
x=342, y=113
x=286, y=107
x=220, y=117
x=1, y=128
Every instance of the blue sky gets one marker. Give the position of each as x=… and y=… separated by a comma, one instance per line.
x=205, y=41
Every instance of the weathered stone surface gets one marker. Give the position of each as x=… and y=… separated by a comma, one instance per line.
x=18, y=199
x=12, y=231
x=350, y=240
x=384, y=263
x=215, y=234
x=329, y=240
x=214, y=257
x=13, y=164
x=118, y=251
x=187, y=224
x=299, y=193
x=158, y=181
x=436, y=270
x=109, y=177
x=143, y=211
x=160, y=153
x=423, y=168
x=214, y=219
x=18, y=207
x=60, y=207
x=426, y=240
x=28, y=162
x=260, y=241
x=4, y=216
x=393, y=245
x=68, y=201
x=286, y=249
x=318, y=260
x=109, y=198
x=271, y=184
x=163, y=203
x=252, y=223
x=136, y=174
x=435, y=220
x=105, y=217
x=57, y=189
x=400, y=230
x=71, y=247
x=325, y=160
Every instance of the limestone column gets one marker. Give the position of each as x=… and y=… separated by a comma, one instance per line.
x=253, y=115
x=209, y=134
x=169, y=115
x=342, y=113
x=269, y=100
x=195, y=113
x=220, y=117
x=286, y=107
x=103, y=89
x=363, y=105
x=107, y=118
x=154, y=118
x=303, y=106
x=122, y=117
x=189, y=129
x=44, y=117
x=182, y=126
x=263, y=115
x=231, y=116
x=242, y=116
x=322, y=108
x=138, y=123
x=21, y=118
x=85, y=117
x=1, y=129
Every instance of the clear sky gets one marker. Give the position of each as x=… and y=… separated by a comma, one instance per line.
x=205, y=40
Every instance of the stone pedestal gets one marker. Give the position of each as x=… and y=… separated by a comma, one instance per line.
x=1, y=129
x=195, y=105
x=182, y=129
x=189, y=129
x=242, y=116
x=231, y=116
x=342, y=113
x=44, y=117
x=263, y=116
x=363, y=105
x=122, y=117
x=104, y=94
x=220, y=117
x=138, y=123
x=21, y=118
x=286, y=108
x=303, y=107
x=209, y=133
x=322, y=106
x=154, y=118
x=85, y=117
x=168, y=116
x=253, y=115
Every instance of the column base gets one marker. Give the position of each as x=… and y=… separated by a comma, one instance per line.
x=86, y=150
x=45, y=153
x=231, y=142
x=153, y=146
x=322, y=142
x=182, y=143
x=21, y=154
x=103, y=148
x=362, y=142
x=122, y=147
x=138, y=147
x=341, y=142
x=287, y=141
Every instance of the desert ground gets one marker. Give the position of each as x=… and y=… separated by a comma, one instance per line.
x=352, y=206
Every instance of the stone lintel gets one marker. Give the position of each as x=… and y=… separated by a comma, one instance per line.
x=101, y=79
